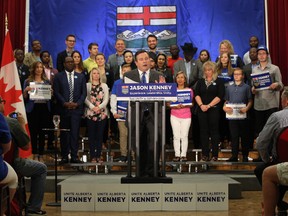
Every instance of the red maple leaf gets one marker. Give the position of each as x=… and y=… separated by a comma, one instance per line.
x=11, y=96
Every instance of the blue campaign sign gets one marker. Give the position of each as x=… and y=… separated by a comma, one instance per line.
x=261, y=81
x=147, y=92
x=184, y=97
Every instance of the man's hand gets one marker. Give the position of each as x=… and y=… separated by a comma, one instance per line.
x=273, y=86
x=20, y=119
x=70, y=105
x=228, y=110
x=161, y=79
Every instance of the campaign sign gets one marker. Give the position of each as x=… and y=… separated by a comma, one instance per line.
x=147, y=92
x=261, y=81
x=122, y=112
x=179, y=197
x=211, y=197
x=111, y=197
x=184, y=97
x=236, y=112
x=40, y=91
x=143, y=198
x=80, y=198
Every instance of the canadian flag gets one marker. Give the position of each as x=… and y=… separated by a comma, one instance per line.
x=10, y=87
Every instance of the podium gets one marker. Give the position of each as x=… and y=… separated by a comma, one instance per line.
x=151, y=94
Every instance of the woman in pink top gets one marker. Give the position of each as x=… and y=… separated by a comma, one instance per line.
x=181, y=120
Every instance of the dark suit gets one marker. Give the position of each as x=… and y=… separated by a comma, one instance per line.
x=60, y=60
x=70, y=119
x=247, y=70
x=195, y=71
x=146, y=126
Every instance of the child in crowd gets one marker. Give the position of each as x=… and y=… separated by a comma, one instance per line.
x=238, y=101
x=119, y=109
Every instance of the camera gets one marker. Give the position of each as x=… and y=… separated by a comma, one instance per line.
x=13, y=115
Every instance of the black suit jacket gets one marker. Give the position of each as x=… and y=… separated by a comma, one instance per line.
x=144, y=106
x=60, y=60
x=61, y=92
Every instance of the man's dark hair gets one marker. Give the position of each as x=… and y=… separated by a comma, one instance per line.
x=34, y=41
x=70, y=35
x=92, y=44
x=139, y=52
x=42, y=53
x=153, y=36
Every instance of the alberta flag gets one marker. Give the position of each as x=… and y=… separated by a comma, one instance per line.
x=134, y=24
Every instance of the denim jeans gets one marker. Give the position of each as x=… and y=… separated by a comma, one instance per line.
x=37, y=171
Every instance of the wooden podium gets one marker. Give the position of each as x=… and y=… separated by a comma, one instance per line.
x=168, y=94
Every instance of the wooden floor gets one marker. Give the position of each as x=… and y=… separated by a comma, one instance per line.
x=249, y=205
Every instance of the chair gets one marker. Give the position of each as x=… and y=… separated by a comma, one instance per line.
x=5, y=200
x=282, y=145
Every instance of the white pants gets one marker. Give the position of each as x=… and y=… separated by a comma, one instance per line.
x=11, y=179
x=180, y=127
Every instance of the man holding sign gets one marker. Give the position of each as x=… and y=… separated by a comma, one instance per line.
x=238, y=101
x=267, y=93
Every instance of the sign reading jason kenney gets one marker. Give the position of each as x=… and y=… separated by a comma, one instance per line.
x=147, y=91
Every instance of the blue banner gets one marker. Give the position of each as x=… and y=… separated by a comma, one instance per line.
x=147, y=92
x=204, y=23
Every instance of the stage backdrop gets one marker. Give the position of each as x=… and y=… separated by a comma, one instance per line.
x=204, y=23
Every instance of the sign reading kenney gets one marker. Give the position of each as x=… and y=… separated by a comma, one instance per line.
x=147, y=92
x=184, y=97
x=261, y=81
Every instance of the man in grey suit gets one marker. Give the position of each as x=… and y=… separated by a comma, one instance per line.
x=116, y=60
x=191, y=68
x=143, y=74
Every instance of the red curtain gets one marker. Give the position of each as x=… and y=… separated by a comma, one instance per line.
x=278, y=35
x=15, y=11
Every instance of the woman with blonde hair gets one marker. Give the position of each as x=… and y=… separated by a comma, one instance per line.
x=226, y=46
x=96, y=113
x=209, y=92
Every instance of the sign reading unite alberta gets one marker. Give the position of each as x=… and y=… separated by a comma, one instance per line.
x=134, y=24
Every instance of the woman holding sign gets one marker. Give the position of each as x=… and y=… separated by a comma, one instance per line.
x=181, y=117
x=37, y=108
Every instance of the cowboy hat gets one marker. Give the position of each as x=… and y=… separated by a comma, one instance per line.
x=188, y=47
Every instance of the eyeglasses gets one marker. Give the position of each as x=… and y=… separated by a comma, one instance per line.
x=72, y=41
x=2, y=101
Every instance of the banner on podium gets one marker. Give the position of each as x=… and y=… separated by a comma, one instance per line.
x=147, y=92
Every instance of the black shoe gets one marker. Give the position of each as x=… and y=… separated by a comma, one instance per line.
x=282, y=206
x=75, y=160
x=64, y=161
x=121, y=159
x=257, y=159
x=232, y=159
x=245, y=159
x=31, y=213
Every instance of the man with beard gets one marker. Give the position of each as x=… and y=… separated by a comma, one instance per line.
x=152, y=42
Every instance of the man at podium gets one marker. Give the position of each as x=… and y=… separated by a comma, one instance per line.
x=143, y=74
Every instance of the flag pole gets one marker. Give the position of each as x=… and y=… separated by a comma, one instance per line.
x=6, y=23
